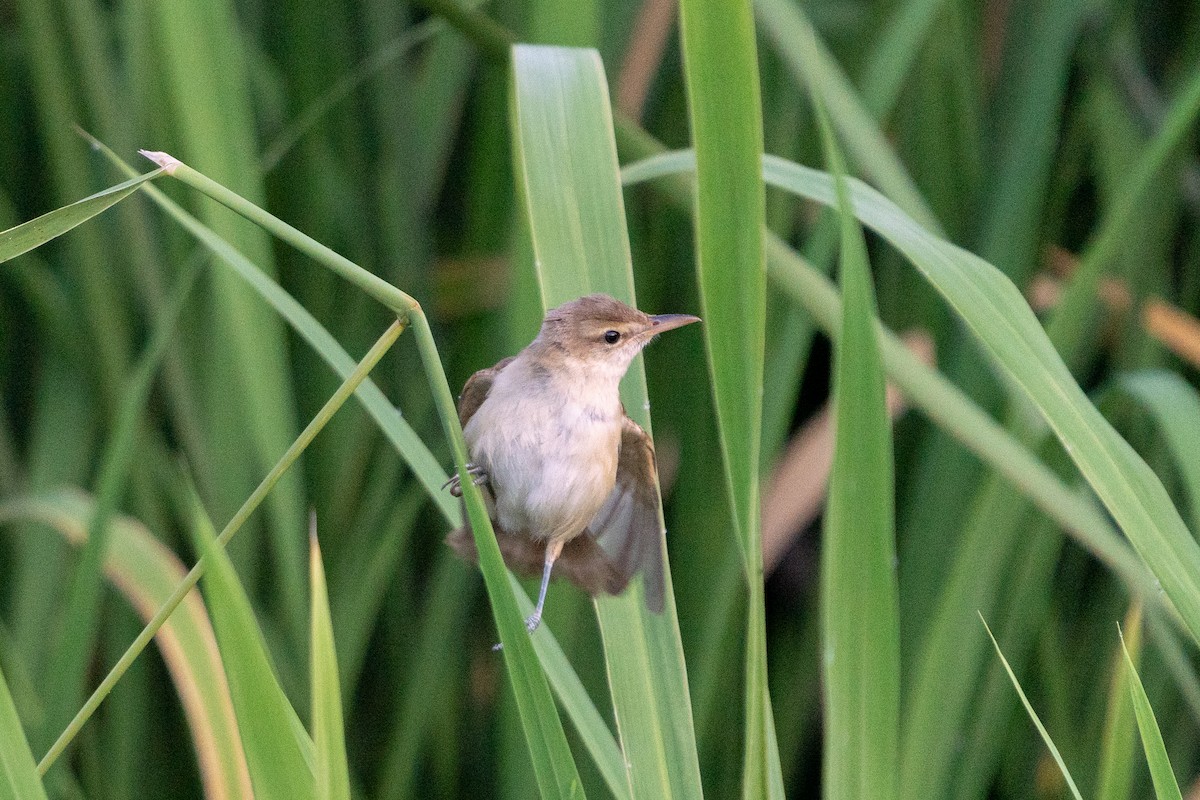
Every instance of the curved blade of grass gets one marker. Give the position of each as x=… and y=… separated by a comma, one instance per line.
x=278, y=750
x=328, y=736
x=19, y=779
x=1116, y=748
x=74, y=645
x=553, y=764
x=998, y=315
x=389, y=419
x=146, y=572
x=940, y=400
x=859, y=596
x=36, y=232
x=177, y=595
x=567, y=174
x=1165, y=785
x=720, y=64
x=1175, y=406
x=1037, y=722
x=815, y=67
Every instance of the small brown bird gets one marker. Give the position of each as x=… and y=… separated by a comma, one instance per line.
x=569, y=479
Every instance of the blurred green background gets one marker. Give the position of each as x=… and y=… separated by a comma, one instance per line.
x=383, y=132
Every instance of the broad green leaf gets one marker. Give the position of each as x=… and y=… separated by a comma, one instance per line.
x=1165, y=785
x=332, y=773
x=278, y=750
x=1037, y=722
x=36, y=232
x=568, y=177
x=19, y=779
x=146, y=573
x=860, y=625
x=720, y=65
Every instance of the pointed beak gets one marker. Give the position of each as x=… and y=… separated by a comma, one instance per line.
x=666, y=322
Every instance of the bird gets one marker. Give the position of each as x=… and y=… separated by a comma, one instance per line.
x=569, y=480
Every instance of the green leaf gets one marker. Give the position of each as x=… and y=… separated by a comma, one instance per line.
x=554, y=766
x=36, y=232
x=720, y=64
x=278, y=750
x=860, y=627
x=19, y=779
x=1037, y=722
x=1165, y=785
x=568, y=177
x=998, y=315
x=1116, y=748
x=328, y=728
x=814, y=66
x=389, y=419
x=146, y=573
x=1175, y=406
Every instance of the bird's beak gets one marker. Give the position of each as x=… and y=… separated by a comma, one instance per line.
x=666, y=322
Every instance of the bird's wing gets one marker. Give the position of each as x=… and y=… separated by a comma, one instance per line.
x=627, y=526
x=476, y=389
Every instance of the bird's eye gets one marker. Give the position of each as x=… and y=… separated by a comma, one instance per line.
x=612, y=337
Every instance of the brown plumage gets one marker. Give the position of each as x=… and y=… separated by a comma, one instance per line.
x=569, y=479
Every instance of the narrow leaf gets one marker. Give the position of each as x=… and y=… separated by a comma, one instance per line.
x=36, y=232
x=1165, y=785
x=567, y=173
x=859, y=595
x=1037, y=722
x=278, y=750
x=720, y=64
x=19, y=779
x=328, y=728
x=1116, y=748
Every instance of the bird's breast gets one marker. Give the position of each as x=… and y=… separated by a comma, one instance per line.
x=551, y=458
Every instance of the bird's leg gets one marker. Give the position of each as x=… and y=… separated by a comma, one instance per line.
x=552, y=551
x=478, y=477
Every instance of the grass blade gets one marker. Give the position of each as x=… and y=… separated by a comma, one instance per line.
x=36, y=232
x=329, y=740
x=859, y=595
x=1000, y=318
x=146, y=573
x=1116, y=749
x=278, y=750
x=19, y=779
x=1037, y=722
x=1165, y=785
x=720, y=64
x=567, y=172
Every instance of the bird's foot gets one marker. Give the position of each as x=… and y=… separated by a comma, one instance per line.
x=532, y=623
x=478, y=477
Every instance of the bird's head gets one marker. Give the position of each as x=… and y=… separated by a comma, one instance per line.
x=601, y=332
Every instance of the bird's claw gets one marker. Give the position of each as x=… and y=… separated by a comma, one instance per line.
x=532, y=623
x=478, y=477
